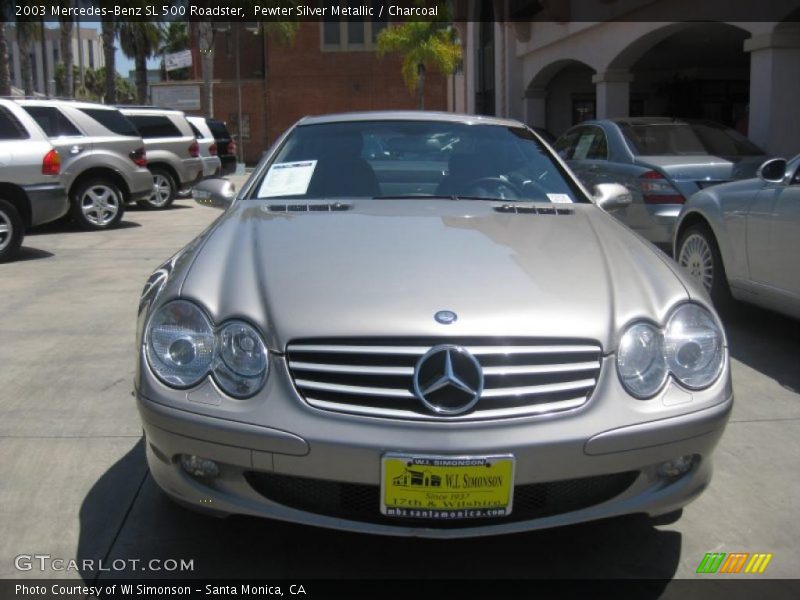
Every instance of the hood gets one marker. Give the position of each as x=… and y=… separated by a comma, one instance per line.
x=383, y=268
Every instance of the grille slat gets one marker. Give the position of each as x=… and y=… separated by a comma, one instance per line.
x=360, y=502
x=375, y=377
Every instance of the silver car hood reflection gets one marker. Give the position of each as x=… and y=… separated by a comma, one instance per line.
x=385, y=267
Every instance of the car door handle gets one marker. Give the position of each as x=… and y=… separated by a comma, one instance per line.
x=76, y=149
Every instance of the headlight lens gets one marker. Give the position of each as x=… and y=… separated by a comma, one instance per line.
x=180, y=344
x=693, y=346
x=640, y=360
x=240, y=365
x=690, y=347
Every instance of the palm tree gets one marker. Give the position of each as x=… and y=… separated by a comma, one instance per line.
x=27, y=31
x=423, y=44
x=66, y=25
x=5, y=76
x=140, y=40
x=109, y=29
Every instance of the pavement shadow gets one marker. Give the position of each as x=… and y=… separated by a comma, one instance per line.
x=173, y=206
x=67, y=226
x=125, y=516
x=767, y=342
x=27, y=253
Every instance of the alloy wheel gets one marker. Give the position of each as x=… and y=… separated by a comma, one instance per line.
x=6, y=231
x=697, y=258
x=100, y=204
x=163, y=190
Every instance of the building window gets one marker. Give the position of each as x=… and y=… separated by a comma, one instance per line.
x=90, y=49
x=354, y=33
x=583, y=109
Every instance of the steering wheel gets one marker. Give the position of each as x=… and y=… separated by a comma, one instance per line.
x=494, y=187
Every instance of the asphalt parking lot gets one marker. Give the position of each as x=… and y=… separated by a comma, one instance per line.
x=74, y=484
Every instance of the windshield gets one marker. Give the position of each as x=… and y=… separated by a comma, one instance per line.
x=415, y=159
x=680, y=139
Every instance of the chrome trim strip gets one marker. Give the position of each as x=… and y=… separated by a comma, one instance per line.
x=353, y=389
x=519, y=411
x=414, y=350
x=325, y=368
x=533, y=369
x=528, y=390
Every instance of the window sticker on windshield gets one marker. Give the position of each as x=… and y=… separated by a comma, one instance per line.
x=287, y=179
x=559, y=198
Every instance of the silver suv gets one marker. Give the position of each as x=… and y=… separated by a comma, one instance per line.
x=104, y=161
x=173, y=152
x=30, y=190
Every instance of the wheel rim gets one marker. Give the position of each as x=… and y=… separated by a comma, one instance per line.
x=163, y=190
x=696, y=257
x=100, y=205
x=6, y=231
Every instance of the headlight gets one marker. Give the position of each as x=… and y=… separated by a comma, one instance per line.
x=183, y=347
x=693, y=346
x=690, y=348
x=640, y=360
x=180, y=344
x=240, y=364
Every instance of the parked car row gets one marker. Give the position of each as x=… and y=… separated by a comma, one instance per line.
x=705, y=193
x=89, y=160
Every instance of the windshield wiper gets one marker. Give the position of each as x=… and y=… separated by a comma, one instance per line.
x=441, y=197
x=414, y=197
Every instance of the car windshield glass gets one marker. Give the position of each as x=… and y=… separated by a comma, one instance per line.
x=680, y=139
x=415, y=159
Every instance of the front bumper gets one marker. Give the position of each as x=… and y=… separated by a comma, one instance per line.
x=332, y=455
x=48, y=202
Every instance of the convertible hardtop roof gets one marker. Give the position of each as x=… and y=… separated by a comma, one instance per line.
x=409, y=115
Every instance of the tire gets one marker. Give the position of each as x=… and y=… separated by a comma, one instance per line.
x=12, y=230
x=699, y=254
x=166, y=190
x=97, y=204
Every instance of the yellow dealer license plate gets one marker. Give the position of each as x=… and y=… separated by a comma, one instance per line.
x=446, y=487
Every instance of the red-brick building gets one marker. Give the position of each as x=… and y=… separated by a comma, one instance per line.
x=328, y=67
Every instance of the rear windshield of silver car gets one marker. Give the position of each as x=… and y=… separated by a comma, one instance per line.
x=416, y=160
x=687, y=139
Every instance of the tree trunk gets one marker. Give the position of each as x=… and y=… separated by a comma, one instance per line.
x=205, y=35
x=24, y=43
x=421, y=86
x=141, y=77
x=109, y=56
x=5, y=75
x=66, y=56
x=45, y=70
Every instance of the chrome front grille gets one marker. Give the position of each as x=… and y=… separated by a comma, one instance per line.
x=375, y=377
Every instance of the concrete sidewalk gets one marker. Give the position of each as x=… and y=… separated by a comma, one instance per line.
x=74, y=485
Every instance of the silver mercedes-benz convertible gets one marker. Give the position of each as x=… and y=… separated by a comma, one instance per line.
x=421, y=324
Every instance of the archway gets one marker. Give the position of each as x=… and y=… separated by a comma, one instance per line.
x=560, y=95
x=689, y=70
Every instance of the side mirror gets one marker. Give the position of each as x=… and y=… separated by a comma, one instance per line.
x=772, y=171
x=214, y=192
x=609, y=196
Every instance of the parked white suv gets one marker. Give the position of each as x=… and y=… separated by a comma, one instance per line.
x=212, y=166
x=173, y=153
x=31, y=192
x=104, y=164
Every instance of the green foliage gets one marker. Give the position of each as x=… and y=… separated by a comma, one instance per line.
x=423, y=44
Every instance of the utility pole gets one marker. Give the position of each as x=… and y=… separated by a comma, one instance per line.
x=80, y=51
x=240, y=147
